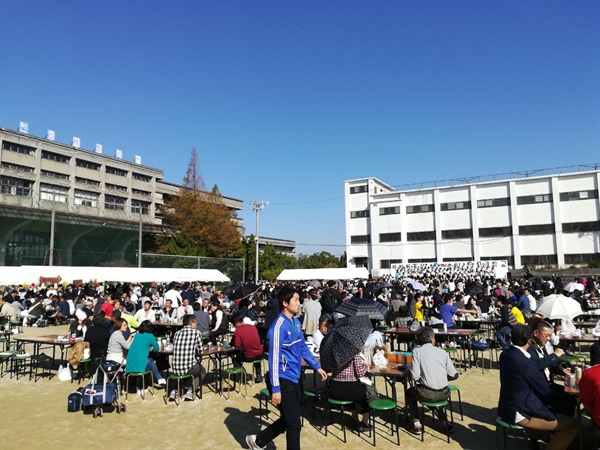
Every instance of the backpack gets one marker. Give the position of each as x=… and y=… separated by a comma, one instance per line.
x=75, y=400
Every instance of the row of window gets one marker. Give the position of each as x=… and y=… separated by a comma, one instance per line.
x=467, y=233
x=488, y=203
x=52, y=192
x=58, y=157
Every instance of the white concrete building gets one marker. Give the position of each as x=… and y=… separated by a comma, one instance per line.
x=543, y=220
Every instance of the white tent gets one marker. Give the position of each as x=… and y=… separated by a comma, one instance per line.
x=323, y=274
x=33, y=274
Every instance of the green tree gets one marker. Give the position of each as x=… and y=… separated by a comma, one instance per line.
x=318, y=260
x=271, y=263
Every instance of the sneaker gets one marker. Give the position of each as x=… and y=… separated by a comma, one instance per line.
x=416, y=428
x=259, y=379
x=189, y=396
x=449, y=427
x=142, y=392
x=162, y=381
x=173, y=395
x=251, y=441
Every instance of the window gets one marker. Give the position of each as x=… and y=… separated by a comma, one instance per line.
x=115, y=203
x=361, y=239
x=137, y=206
x=140, y=192
x=14, y=186
x=53, y=192
x=18, y=148
x=389, y=210
x=361, y=261
x=578, y=195
x=419, y=209
x=140, y=177
x=387, y=263
x=539, y=259
x=455, y=205
x=531, y=199
x=57, y=175
x=581, y=227
x=359, y=214
x=421, y=260
x=87, y=164
x=115, y=171
x=390, y=237
x=493, y=202
x=16, y=167
x=358, y=189
x=421, y=236
x=51, y=156
x=582, y=258
x=86, y=198
x=87, y=181
x=495, y=232
x=466, y=233
x=536, y=229
x=115, y=187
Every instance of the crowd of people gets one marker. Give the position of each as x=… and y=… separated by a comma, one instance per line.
x=295, y=320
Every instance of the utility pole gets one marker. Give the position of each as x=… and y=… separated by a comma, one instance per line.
x=257, y=207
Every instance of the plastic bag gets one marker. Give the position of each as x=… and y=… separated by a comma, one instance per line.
x=596, y=331
x=567, y=326
x=64, y=373
x=379, y=360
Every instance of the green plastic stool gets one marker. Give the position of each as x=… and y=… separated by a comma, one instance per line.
x=442, y=404
x=263, y=398
x=143, y=375
x=342, y=405
x=383, y=404
x=505, y=426
x=316, y=395
x=229, y=372
x=454, y=388
x=177, y=379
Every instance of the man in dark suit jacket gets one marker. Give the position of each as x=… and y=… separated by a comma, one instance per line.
x=522, y=386
x=549, y=364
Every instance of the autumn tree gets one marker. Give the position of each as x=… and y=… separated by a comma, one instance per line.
x=200, y=223
x=319, y=260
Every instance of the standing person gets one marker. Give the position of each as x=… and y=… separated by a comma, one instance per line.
x=431, y=369
x=330, y=300
x=287, y=348
x=522, y=387
x=312, y=311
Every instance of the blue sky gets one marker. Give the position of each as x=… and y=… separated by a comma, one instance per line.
x=286, y=100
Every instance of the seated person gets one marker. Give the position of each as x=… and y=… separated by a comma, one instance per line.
x=375, y=339
x=187, y=354
x=345, y=384
x=168, y=312
x=431, y=369
x=98, y=335
x=146, y=313
x=595, y=353
x=219, y=324
x=324, y=326
x=549, y=363
x=522, y=387
x=202, y=318
x=185, y=308
x=246, y=337
x=138, y=357
x=589, y=392
x=118, y=346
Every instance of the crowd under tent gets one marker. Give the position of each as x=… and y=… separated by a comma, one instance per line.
x=27, y=275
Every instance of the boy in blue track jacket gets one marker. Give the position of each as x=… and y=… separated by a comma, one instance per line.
x=287, y=347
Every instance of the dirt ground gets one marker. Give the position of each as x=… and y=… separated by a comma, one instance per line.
x=33, y=415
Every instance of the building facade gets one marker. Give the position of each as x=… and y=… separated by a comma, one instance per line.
x=100, y=203
x=543, y=220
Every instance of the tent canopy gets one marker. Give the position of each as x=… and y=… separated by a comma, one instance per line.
x=34, y=274
x=324, y=274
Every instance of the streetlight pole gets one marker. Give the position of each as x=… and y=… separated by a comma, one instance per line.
x=52, y=220
x=140, y=240
x=257, y=206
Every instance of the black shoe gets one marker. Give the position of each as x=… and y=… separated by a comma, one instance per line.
x=259, y=379
x=449, y=427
